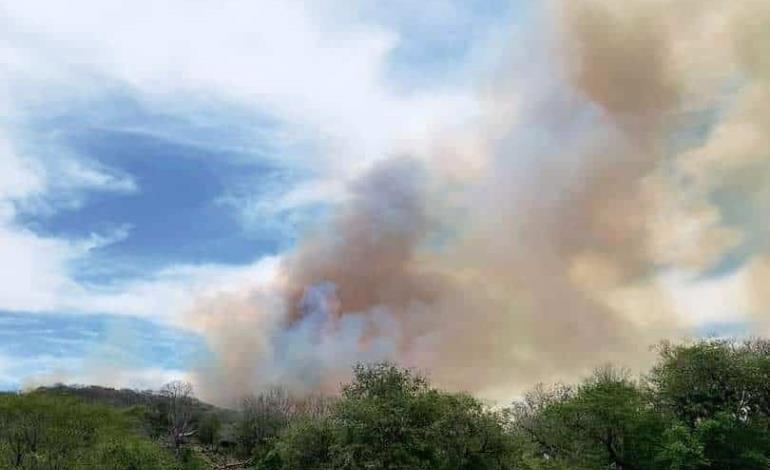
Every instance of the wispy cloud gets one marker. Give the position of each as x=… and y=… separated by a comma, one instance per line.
x=322, y=75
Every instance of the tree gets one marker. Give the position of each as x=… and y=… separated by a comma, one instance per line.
x=606, y=422
x=178, y=395
x=209, y=429
x=49, y=431
x=720, y=392
x=306, y=444
x=263, y=417
x=390, y=418
x=704, y=405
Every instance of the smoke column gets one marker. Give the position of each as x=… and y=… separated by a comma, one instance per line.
x=611, y=159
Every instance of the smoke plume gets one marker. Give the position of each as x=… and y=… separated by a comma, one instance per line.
x=634, y=145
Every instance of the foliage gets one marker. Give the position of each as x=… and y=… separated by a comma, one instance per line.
x=40, y=431
x=720, y=391
x=390, y=418
x=264, y=416
x=704, y=405
x=209, y=429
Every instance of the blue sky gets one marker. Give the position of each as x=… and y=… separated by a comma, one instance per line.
x=50, y=347
x=178, y=185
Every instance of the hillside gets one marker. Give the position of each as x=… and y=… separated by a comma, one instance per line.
x=77, y=426
x=41, y=430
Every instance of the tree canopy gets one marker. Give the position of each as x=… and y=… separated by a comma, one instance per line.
x=703, y=405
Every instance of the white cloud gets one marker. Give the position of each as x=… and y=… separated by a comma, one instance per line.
x=75, y=174
x=699, y=301
x=18, y=178
x=35, y=272
x=168, y=294
x=322, y=74
x=315, y=67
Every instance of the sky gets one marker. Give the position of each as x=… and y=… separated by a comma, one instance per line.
x=164, y=164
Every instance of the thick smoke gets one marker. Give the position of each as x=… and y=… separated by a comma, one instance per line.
x=622, y=159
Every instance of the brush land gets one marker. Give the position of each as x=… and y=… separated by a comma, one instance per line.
x=703, y=405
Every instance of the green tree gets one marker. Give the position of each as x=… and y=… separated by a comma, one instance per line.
x=704, y=405
x=48, y=432
x=306, y=444
x=720, y=390
x=390, y=418
x=606, y=422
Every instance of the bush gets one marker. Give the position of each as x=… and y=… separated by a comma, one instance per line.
x=391, y=418
x=41, y=431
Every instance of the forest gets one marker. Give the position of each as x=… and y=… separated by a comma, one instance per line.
x=702, y=405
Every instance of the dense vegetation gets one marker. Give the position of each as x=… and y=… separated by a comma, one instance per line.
x=704, y=405
x=42, y=431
